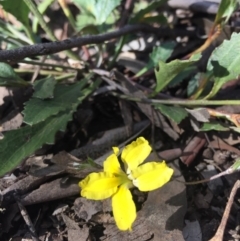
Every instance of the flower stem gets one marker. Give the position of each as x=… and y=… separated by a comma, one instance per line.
x=178, y=101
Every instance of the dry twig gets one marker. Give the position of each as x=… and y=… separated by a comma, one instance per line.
x=27, y=220
x=58, y=46
x=220, y=232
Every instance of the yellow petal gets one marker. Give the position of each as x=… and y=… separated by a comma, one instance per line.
x=115, y=150
x=124, y=210
x=112, y=165
x=151, y=176
x=98, y=186
x=135, y=153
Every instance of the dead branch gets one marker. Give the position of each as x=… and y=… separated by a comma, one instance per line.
x=15, y=55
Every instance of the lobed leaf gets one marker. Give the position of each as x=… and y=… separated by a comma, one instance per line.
x=44, y=88
x=224, y=63
x=167, y=71
x=176, y=114
x=18, y=9
x=225, y=10
x=9, y=78
x=65, y=97
x=209, y=126
x=162, y=52
x=20, y=143
x=100, y=9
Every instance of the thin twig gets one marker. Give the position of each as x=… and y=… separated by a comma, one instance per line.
x=58, y=46
x=29, y=62
x=220, y=232
x=27, y=220
x=128, y=8
x=226, y=172
x=37, y=70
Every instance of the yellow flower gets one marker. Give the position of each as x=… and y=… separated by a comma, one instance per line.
x=114, y=182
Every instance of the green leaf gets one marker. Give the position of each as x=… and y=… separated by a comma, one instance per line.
x=162, y=52
x=225, y=10
x=20, y=143
x=9, y=78
x=160, y=19
x=182, y=75
x=65, y=98
x=83, y=20
x=100, y=9
x=209, y=126
x=44, y=88
x=176, y=114
x=42, y=7
x=193, y=84
x=151, y=7
x=234, y=128
x=18, y=9
x=224, y=63
x=236, y=165
x=167, y=71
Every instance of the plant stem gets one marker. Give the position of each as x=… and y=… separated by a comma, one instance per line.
x=65, y=77
x=38, y=15
x=117, y=52
x=29, y=33
x=211, y=37
x=180, y=101
x=30, y=62
x=42, y=72
x=67, y=13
